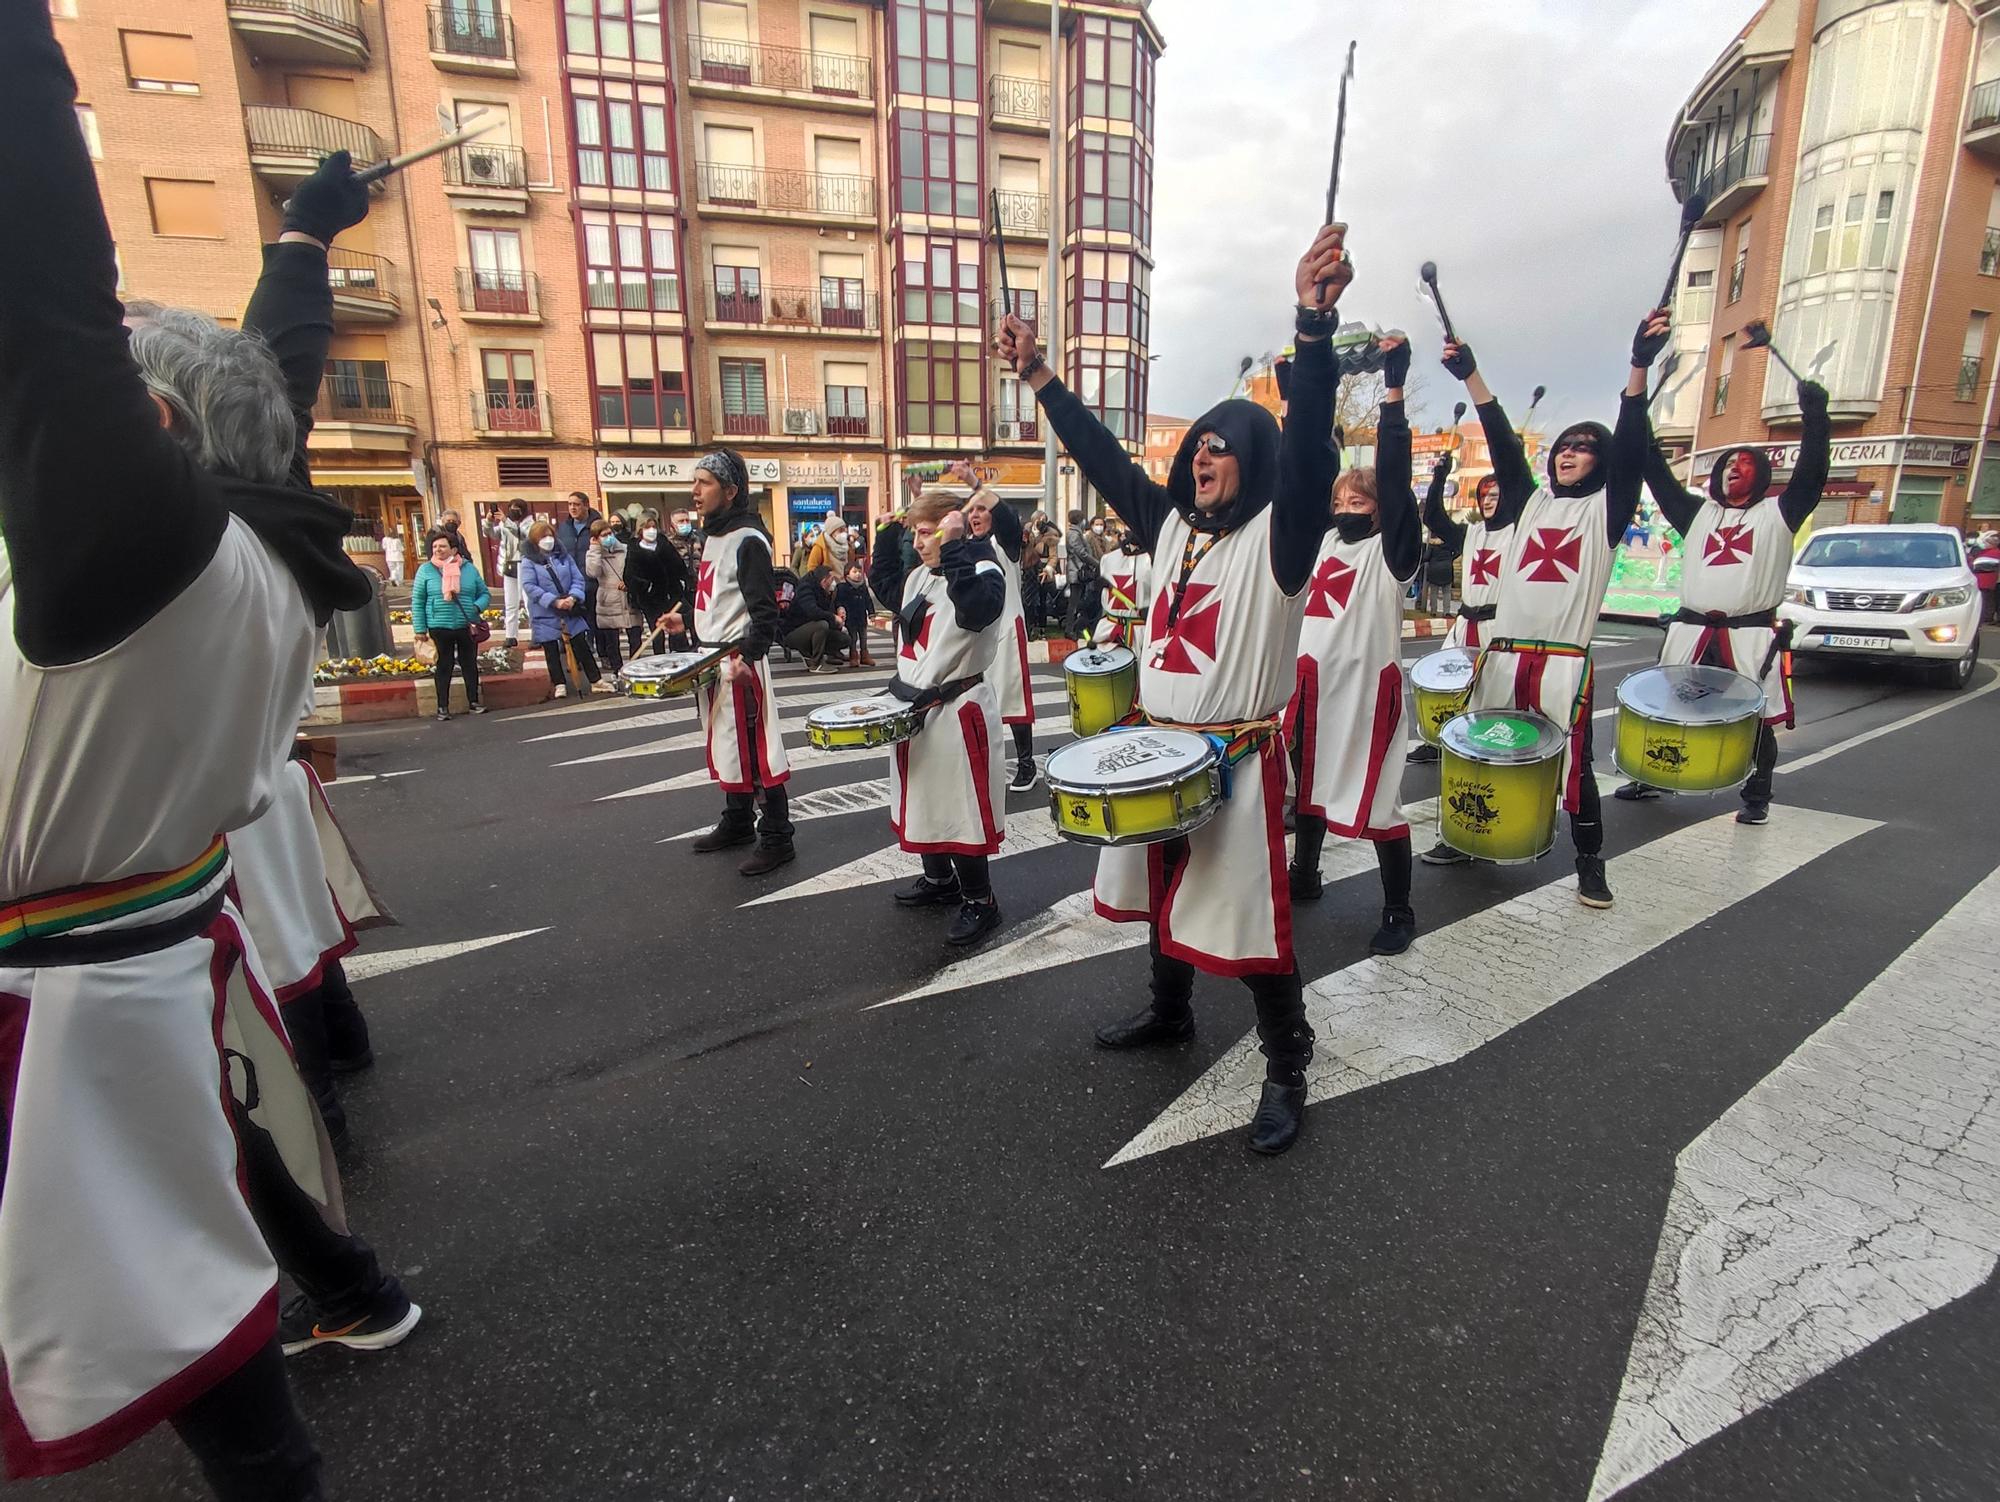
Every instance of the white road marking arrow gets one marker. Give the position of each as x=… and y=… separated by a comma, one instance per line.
x=1027, y=830
x=388, y=961
x=1854, y=1189
x=681, y=711
x=848, y=798
x=1461, y=987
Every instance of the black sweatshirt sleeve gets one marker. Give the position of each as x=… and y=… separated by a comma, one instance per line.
x=978, y=595
x=885, y=574
x=292, y=311
x=1677, y=504
x=1510, y=465
x=1308, y=464
x=1451, y=534
x=1140, y=503
x=1396, y=503
x=1006, y=529
x=105, y=516
x=1629, y=441
x=1802, y=491
x=759, y=582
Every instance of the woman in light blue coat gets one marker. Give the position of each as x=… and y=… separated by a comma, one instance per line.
x=553, y=585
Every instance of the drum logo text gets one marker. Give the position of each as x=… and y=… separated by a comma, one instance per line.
x=1669, y=756
x=1130, y=751
x=1471, y=804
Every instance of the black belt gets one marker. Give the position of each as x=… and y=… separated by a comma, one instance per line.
x=924, y=700
x=109, y=945
x=1687, y=617
x=1477, y=612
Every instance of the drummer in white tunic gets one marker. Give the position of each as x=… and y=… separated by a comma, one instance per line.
x=1556, y=552
x=1479, y=585
x=1234, y=534
x=1346, y=724
x=1127, y=574
x=947, y=797
x=992, y=520
x=1736, y=551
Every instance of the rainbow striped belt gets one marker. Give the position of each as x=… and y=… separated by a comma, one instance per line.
x=56, y=913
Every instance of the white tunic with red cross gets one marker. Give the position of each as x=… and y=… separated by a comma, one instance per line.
x=1346, y=720
x=1553, y=572
x=1009, y=677
x=1223, y=650
x=1479, y=585
x=745, y=748
x=1734, y=564
x=947, y=785
x=1128, y=580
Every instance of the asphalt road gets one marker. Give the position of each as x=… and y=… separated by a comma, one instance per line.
x=1696, y=1198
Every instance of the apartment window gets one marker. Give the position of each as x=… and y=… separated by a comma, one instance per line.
x=1113, y=184
x=510, y=396
x=937, y=48
x=1722, y=373
x=357, y=388
x=940, y=276
x=613, y=28
x=721, y=42
x=1698, y=297
x=743, y=405
x=622, y=143
x=837, y=66
x=1741, y=266
x=184, y=208
x=739, y=293
x=1821, y=248
x=160, y=62
x=1110, y=295
x=1850, y=230
x=1111, y=384
x=1885, y=215
x=641, y=381
x=86, y=121
x=499, y=285
x=1989, y=249
x=846, y=399
x=1970, y=361
x=1116, y=74
x=728, y=164
x=937, y=163
x=631, y=261
x=1017, y=402
x=941, y=388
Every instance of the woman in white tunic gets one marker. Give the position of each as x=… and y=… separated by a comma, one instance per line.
x=947, y=798
x=991, y=520
x=1346, y=723
x=1127, y=572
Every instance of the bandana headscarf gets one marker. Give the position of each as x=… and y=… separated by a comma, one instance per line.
x=728, y=469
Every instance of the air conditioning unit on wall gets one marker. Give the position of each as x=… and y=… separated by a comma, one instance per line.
x=1008, y=432
x=487, y=167
x=801, y=420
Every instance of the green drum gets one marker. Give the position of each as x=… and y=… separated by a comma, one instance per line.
x=1688, y=729
x=1502, y=776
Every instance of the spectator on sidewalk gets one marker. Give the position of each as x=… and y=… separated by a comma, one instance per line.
x=506, y=534
x=604, y=565
x=1989, y=578
x=445, y=604
x=655, y=575
x=687, y=542
x=450, y=525
x=809, y=625
x=832, y=549
x=559, y=625
x=853, y=603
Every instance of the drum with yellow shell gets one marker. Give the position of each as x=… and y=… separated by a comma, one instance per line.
x=856, y=724
x=1501, y=777
x=1687, y=728
x=1103, y=687
x=1440, y=686
x=1134, y=786
x=668, y=675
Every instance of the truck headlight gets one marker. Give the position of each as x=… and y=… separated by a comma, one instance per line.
x=1942, y=599
x=1796, y=595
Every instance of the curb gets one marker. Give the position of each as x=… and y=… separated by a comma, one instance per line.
x=416, y=698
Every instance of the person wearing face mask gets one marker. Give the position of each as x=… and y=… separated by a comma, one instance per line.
x=604, y=565
x=1556, y=548
x=1345, y=724
x=556, y=617
x=946, y=789
x=450, y=525
x=655, y=577
x=446, y=602
x=506, y=535
x=736, y=605
x=991, y=520
x=1235, y=535
x=1736, y=551
x=686, y=539
x=1127, y=583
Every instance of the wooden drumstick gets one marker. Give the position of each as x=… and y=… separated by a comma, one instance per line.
x=478, y=125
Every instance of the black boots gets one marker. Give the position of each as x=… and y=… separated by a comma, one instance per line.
x=1399, y=927
x=923, y=892
x=974, y=922
x=1636, y=792
x=768, y=857
x=726, y=835
x=1279, y=1116
x=1306, y=884
x=1145, y=1029
x=1591, y=890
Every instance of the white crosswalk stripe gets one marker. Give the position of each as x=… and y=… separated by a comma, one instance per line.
x=1026, y=830
x=387, y=961
x=848, y=798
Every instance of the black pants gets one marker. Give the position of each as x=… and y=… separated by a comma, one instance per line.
x=336, y=1270
x=969, y=871
x=607, y=644
x=1586, y=825
x=740, y=809
x=1991, y=600
x=249, y=1438
x=585, y=659
x=1083, y=608
x=1283, y=1033
x=1392, y=856
x=818, y=641
x=856, y=622
x=1024, y=740
x=1758, y=788
x=455, y=645
x=326, y=1024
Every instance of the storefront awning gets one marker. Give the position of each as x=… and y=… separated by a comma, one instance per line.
x=336, y=478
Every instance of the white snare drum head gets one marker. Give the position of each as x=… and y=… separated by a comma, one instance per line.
x=1098, y=660
x=660, y=666
x=1446, y=672
x=1501, y=737
x=876, y=709
x=1129, y=758
x=1683, y=693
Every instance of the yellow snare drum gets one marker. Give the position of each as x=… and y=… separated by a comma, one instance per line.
x=1688, y=729
x=1502, y=776
x=1103, y=687
x=668, y=675
x=875, y=721
x=1134, y=786
x=1439, y=687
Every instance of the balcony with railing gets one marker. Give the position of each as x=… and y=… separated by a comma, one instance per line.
x=1017, y=103
x=362, y=412
x=1012, y=425
x=1721, y=401
x=816, y=420
x=1742, y=173
x=785, y=193
x=302, y=31
x=510, y=413
x=747, y=423
x=1026, y=306
x=487, y=179
x=473, y=38
x=489, y=296
x=1023, y=216
x=797, y=310
x=828, y=80
x=363, y=286
x=286, y=144
x=1989, y=252
x=1982, y=119
x=1969, y=367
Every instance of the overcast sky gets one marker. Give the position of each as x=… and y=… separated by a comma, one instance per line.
x=1521, y=146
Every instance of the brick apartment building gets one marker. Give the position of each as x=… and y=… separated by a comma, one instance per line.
x=760, y=222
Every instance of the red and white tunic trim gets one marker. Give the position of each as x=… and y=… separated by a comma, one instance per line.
x=746, y=749
x=947, y=785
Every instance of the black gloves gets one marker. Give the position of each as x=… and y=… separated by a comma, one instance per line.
x=1443, y=468
x=1396, y=365
x=1813, y=395
x=1461, y=365
x=1646, y=347
x=329, y=201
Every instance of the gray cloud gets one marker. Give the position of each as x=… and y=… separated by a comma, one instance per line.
x=1521, y=146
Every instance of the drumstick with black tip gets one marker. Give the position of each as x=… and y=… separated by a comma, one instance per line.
x=1429, y=273
x=1757, y=335
x=1339, y=136
x=1534, y=401
x=1692, y=213
x=474, y=126
x=1000, y=255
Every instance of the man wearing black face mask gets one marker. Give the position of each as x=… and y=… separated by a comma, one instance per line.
x=1737, y=550
x=1345, y=724
x=1555, y=562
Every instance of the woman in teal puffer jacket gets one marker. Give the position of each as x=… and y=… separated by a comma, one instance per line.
x=445, y=603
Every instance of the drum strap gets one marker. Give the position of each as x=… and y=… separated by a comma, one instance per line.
x=924, y=700
x=1716, y=619
x=1233, y=740
x=1528, y=672
x=1191, y=556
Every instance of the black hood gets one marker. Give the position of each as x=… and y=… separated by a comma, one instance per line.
x=740, y=513
x=1252, y=433
x=1760, y=484
x=306, y=530
x=1598, y=472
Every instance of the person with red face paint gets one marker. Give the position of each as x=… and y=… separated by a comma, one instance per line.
x=1736, y=551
